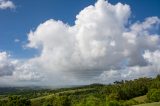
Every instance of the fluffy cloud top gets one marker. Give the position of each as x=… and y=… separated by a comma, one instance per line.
x=101, y=47
x=5, y=4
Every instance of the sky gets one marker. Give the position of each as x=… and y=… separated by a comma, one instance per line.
x=74, y=42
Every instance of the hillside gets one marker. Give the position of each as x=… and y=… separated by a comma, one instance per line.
x=120, y=93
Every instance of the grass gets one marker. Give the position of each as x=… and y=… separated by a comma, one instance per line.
x=140, y=99
x=150, y=104
x=37, y=101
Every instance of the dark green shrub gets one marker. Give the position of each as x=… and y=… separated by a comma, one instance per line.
x=130, y=102
x=113, y=103
x=154, y=95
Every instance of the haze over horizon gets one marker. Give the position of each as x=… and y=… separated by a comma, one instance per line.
x=55, y=43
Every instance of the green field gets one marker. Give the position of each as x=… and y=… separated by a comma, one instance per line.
x=36, y=101
x=140, y=99
x=150, y=104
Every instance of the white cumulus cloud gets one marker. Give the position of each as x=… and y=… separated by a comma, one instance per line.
x=101, y=47
x=5, y=4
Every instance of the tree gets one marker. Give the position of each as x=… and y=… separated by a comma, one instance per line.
x=18, y=101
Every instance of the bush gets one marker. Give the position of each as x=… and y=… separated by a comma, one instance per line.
x=113, y=96
x=57, y=101
x=130, y=102
x=90, y=101
x=3, y=103
x=113, y=103
x=18, y=101
x=154, y=95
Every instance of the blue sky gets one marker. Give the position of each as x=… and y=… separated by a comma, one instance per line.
x=28, y=14
x=62, y=42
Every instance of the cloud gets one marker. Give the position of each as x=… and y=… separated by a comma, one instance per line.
x=7, y=4
x=20, y=69
x=101, y=47
x=6, y=66
x=85, y=48
x=16, y=40
x=151, y=69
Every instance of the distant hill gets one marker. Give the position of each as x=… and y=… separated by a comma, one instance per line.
x=120, y=93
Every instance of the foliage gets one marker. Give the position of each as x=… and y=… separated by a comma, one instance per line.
x=57, y=101
x=112, y=103
x=129, y=102
x=15, y=101
x=90, y=101
x=154, y=95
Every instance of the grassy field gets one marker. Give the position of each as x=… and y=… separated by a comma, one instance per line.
x=150, y=104
x=141, y=99
x=36, y=101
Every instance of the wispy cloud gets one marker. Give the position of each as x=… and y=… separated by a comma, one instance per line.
x=16, y=40
x=7, y=4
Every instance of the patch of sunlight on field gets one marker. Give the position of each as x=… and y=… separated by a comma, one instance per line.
x=141, y=99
